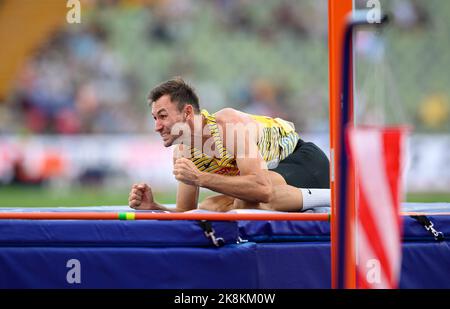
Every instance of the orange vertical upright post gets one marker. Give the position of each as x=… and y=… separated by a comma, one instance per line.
x=338, y=10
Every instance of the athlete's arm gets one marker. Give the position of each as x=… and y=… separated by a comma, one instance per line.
x=253, y=183
x=187, y=194
x=141, y=198
x=187, y=197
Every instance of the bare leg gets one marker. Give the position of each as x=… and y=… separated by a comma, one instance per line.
x=225, y=203
x=284, y=197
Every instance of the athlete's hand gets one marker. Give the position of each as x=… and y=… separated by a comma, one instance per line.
x=186, y=172
x=141, y=197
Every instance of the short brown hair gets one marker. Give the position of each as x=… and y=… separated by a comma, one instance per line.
x=179, y=92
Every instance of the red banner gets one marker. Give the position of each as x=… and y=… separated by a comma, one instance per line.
x=377, y=154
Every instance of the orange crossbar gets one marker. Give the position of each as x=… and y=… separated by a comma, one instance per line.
x=164, y=216
x=178, y=216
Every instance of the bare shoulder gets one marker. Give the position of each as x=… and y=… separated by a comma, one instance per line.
x=230, y=120
x=231, y=115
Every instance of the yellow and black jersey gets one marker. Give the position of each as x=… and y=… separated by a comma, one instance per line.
x=276, y=141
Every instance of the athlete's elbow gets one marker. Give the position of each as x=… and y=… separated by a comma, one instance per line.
x=266, y=193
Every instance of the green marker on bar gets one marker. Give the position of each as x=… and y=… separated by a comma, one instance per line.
x=126, y=216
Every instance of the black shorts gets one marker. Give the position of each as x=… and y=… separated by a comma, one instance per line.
x=306, y=167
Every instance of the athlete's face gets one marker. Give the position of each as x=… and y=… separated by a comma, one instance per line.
x=166, y=115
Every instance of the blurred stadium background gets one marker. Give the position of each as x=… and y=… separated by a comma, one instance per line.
x=75, y=128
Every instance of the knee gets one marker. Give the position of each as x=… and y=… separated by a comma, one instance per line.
x=208, y=203
x=267, y=194
x=209, y=199
x=241, y=204
x=217, y=203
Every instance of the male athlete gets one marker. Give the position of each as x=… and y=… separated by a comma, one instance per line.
x=252, y=161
